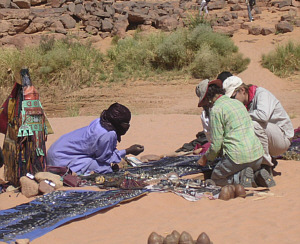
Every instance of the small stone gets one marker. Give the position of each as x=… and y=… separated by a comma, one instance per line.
x=150, y=157
x=22, y=241
x=56, y=179
x=29, y=188
x=45, y=187
x=203, y=239
x=185, y=238
x=155, y=238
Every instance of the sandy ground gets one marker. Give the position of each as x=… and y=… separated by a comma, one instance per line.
x=272, y=218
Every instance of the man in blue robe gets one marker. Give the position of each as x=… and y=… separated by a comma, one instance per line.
x=93, y=148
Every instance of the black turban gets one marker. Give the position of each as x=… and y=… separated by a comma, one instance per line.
x=113, y=117
x=224, y=75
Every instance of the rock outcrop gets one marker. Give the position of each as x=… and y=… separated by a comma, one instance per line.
x=109, y=18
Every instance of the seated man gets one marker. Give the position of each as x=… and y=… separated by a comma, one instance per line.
x=231, y=132
x=93, y=148
x=271, y=122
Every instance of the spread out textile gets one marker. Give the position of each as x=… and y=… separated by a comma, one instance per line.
x=38, y=217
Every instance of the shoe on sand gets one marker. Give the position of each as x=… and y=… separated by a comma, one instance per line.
x=264, y=178
x=247, y=178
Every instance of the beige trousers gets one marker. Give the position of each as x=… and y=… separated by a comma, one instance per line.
x=272, y=139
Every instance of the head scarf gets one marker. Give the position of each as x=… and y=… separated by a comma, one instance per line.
x=251, y=91
x=224, y=75
x=113, y=117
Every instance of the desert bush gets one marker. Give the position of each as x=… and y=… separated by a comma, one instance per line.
x=206, y=63
x=133, y=56
x=172, y=52
x=193, y=21
x=284, y=60
x=62, y=62
x=235, y=62
x=198, y=50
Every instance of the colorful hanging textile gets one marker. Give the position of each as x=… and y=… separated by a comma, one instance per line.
x=25, y=126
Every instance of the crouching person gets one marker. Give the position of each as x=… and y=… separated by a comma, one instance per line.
x=232, y=135
x=272, y=125
x=93, y=148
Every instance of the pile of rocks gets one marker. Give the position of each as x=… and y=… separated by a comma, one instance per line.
x=176, y=238
x=40, y=183
x=109, y=18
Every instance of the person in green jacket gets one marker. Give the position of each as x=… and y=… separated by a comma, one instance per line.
x=232, y=135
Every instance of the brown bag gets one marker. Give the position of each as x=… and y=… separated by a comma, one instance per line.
x=58, y=170
x=71, y=180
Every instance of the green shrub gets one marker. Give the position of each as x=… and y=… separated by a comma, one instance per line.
x=182, y=50
x=194, y=21
x=284, y=61
x=172, y=52
x=63, y=62
x=234, y=62
x=134, y=56
x=219, y=42
x=195, y=52
x=206, y=63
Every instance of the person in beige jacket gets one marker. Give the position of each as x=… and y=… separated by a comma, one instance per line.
x=271, y=122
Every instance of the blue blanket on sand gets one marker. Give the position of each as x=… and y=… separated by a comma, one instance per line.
x=36, y=218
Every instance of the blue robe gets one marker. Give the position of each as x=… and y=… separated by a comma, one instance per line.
x=91, y=148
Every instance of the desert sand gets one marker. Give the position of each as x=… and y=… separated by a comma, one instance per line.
x=272, y=217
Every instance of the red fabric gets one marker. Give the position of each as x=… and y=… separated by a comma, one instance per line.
x=204, y=147
x=252, y=90
x=4, y=113
x=30, y=93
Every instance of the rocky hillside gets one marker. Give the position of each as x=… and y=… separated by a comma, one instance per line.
x=25, y=21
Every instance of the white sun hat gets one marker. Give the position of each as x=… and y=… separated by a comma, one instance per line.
x=230, y=84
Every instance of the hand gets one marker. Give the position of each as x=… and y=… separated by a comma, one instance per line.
x=135, y=149
x=115, y=167
x=197, y=151
x=199, y=134
x=202, y=161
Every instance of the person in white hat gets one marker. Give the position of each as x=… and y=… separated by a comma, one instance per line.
x=271, y=122
x=232, y=136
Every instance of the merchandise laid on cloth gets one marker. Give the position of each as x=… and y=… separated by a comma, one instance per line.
x=189, y=189
x=38, y=217
x=25, y=125
x=147, y=172
x=200, y=140
x=293, y=152
x=163, y=175
x=67, y=177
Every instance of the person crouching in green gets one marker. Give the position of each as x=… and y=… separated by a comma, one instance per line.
x=233, y=137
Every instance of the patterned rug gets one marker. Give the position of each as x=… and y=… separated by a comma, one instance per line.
x=38, y=217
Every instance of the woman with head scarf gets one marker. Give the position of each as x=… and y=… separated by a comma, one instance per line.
x=232, y=135
x=93, y=148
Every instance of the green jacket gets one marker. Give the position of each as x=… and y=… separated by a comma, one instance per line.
x=232, y=131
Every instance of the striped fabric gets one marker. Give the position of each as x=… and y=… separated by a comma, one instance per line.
x=232, y=131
